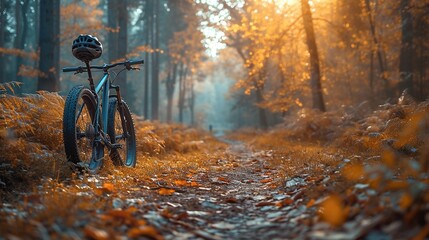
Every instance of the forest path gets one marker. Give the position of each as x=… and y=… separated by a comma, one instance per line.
x=237, y=193
x=235, y=199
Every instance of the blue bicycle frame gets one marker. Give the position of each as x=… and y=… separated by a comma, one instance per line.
x=104, y=85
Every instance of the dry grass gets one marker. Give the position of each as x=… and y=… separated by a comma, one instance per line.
x=32, y=148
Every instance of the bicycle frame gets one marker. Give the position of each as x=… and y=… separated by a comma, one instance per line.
x=104, y=85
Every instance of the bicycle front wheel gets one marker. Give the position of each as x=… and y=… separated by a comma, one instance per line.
x=122, y=134
x=82, y=146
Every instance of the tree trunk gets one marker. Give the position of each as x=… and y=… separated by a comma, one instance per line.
x=155, y=72
x=191, y=101
x=23, y=36
x=316, y=86
x=49, y=45
x=2, y=36
x=182, y=90
x=383, y=69
x=112, y=22
x=148, y=26
x=170, y=85
x=18, y=40
x=406, y=55
x=122, y=44
x=263, y=122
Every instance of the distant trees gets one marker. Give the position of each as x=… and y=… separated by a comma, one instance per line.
x=3, y=33
x=315, y=75
x=117, y=15
x=49, y=45
x=407, y=49
x=355, y=51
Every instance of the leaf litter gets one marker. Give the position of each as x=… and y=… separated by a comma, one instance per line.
x=291, y=182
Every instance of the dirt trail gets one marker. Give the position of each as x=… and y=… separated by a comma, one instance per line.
x=238, y=194
x=239, y=203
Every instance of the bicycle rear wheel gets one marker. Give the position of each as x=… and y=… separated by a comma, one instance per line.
x=82, y=146
x=124, y=140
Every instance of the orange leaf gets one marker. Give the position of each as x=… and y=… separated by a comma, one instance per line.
x=353, y=171
x=109, y=186
x=267, y=180
x=94, y=233
x=389, y=158
x=263, y=204
x=180, y=182
x=405, y=201
x=144, y=231
x=194, y=184
x=284, y=202
x=333, y=211
x=106, y=189
x=223, y=179
x=166, y=191
x=311, y=203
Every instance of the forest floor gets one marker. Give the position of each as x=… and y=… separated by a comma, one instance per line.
x=307, y=179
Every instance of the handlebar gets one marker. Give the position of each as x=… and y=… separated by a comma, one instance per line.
x=105, y=67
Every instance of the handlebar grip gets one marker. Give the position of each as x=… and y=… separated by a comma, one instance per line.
x=70, y=69
x=136, y=62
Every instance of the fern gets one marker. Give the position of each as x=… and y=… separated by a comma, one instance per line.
x=4, y=87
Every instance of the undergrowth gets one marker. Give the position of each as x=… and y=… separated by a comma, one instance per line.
x=386, y=150
x=32, y=145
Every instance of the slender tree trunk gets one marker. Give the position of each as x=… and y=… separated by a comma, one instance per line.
x=17, y=41
x=2, y=36
x=148, y=25
x=21, y=45
x=122, y=44
x=383, y=69
x=49, y=45
x=191, y=102
x=155, y=77
x=263, y=121
x=170, y=85
x=406, y=55
x=182, y=91
x=316, y=86
x=112, y=22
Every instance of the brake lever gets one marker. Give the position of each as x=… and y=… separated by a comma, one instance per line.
x=79, y=70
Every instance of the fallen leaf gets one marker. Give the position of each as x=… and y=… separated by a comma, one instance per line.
x=353, y=171
x=262, y=204
x=311, y=203
x=194, y=184
x=144, y=231
x=267, y=180
x=284, y=202
x=94, y=233
x=405, y=201
x=223, y=179
x=231, y=200
x=166, y=191
x=333, y=211
x=180, y=183
x=109, y=186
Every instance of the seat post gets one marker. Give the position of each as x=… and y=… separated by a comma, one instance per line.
x=91, y=81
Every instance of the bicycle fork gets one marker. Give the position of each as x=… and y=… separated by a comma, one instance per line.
x=125, y=133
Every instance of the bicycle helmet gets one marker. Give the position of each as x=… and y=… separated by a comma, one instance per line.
x=86, y=48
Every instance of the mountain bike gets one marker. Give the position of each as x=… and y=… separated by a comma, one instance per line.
x=95, y=119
